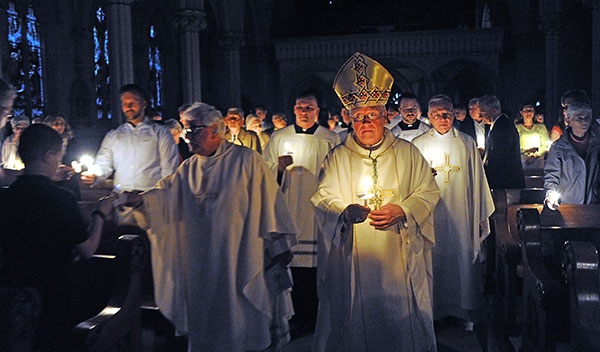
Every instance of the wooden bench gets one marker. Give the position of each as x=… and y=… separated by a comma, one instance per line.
x=151, y=317
x=582, y=275
x=545, y=295
x=116, y=326
x=534, y=178
x=504, y=257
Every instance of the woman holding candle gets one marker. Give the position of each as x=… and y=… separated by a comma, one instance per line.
x=534, y=138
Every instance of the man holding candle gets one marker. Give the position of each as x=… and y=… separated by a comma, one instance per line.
x=296, y=152
x=461, y=216
x=374, y=277
x=572, y=172
x=139, y=152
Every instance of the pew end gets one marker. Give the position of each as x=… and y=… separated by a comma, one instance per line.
x=580, y=269
x=546, y=316
x=118, y=324
x=504, y=251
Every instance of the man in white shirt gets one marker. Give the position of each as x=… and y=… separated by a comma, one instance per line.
x=139, y=152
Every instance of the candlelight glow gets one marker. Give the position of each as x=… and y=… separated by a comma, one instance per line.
x=480, y=141
x=288, y=148
x=552, y=200
x=366, y=188
x=85, y=163
x=532, y=141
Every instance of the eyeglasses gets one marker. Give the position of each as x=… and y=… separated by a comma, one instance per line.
x=528, y=110
x=194, y=129
x=372, y=116
x=304, y=108
x=444, y=116
x=233, y=118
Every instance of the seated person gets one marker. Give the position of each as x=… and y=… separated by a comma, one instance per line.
x=40, y=229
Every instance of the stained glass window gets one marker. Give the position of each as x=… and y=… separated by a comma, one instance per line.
x=25, y=64
x=155, y=70
x=101, y=74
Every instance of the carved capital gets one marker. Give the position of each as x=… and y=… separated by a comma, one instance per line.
x=232, y=40
x=190, y=21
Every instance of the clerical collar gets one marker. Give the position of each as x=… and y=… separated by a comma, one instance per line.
x=371, y=147
x=413, y=126
x=311, y=130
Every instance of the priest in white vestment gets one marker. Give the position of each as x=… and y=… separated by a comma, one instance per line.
x=296, y=152
x=461, y=216
x=216, y=225
x=375, y=200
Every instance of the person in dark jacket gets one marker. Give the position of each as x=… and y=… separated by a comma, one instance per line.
x=502, y=157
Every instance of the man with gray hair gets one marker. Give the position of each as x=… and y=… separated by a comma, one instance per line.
x=571, y=173
x=221, y=236
x=502, y=157
x=460, y=218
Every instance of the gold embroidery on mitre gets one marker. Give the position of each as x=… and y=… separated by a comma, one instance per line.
x=363, y=81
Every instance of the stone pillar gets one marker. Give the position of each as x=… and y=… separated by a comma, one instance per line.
x=189, y=23
x=120, y=52
x=232, y=42
x=595, y=93
x=550, y=25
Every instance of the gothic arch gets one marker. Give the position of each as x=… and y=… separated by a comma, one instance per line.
x=462, y=80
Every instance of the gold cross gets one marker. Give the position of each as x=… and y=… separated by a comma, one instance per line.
x=447, y=168
x=379, y=194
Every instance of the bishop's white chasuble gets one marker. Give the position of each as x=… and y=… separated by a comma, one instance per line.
x=375, y=285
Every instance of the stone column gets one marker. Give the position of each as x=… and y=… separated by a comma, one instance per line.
x=120, y=52
x=189, y=23
x=550, y=25
x=232, y=42
x=595, y=93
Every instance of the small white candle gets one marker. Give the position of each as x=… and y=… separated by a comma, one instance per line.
x=288, y=148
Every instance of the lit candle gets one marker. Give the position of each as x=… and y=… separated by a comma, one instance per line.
x=480, y=141
x=366, y=189
x=552, y=201
x=85, y=163
x=533, y=141
x=288, y=148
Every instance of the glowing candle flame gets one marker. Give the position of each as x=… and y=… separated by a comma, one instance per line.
x=288, y=148
x=366, y=188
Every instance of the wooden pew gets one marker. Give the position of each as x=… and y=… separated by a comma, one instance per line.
x=504, y=258
x=118, y=323
x=582, y=274
x=151, y=317
x=534, y=178
x=545, y=295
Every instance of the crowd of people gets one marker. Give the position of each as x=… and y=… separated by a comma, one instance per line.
x=364, y=231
